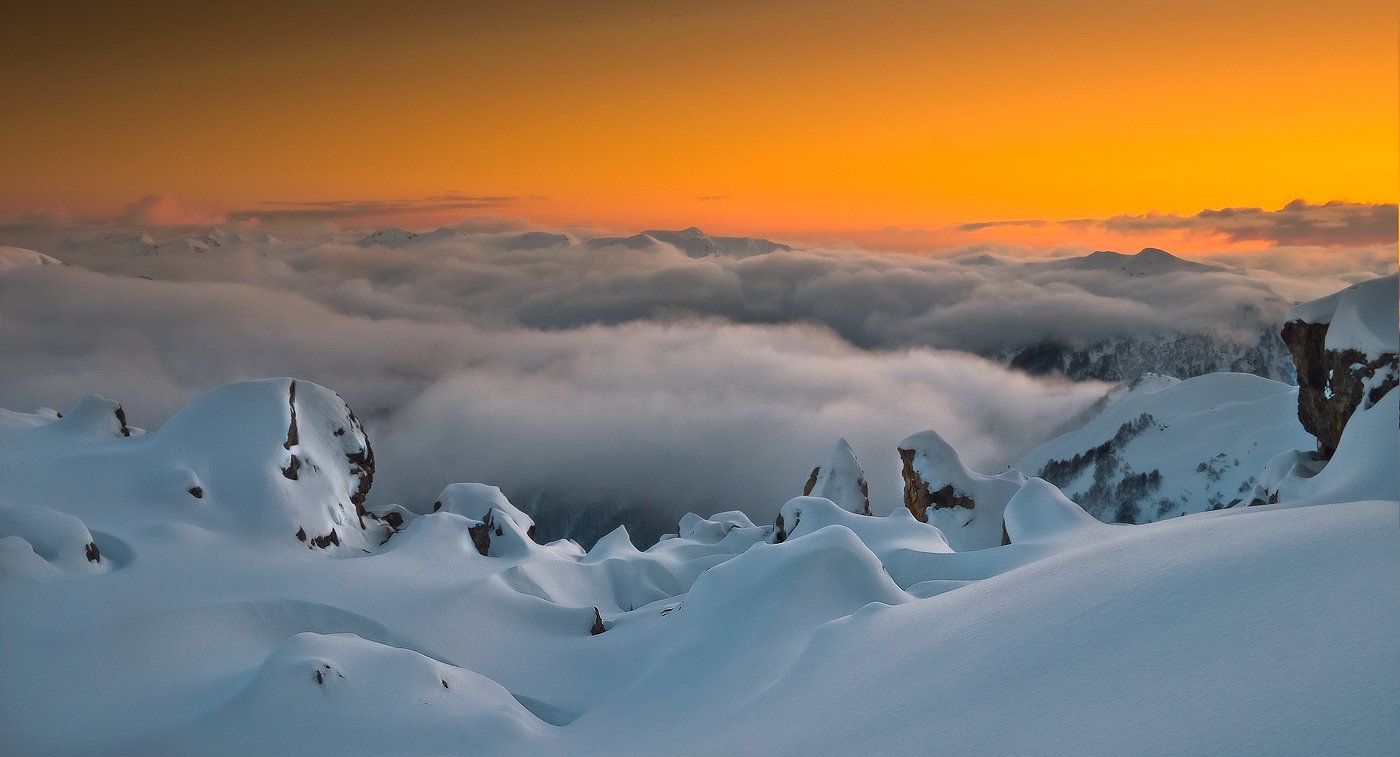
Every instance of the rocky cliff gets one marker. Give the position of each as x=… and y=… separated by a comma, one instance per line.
x=1344, y=347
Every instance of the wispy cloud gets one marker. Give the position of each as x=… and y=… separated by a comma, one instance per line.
x=1331, y=224
x=979, y=225
x=612, y=374
x=168, y=210
x=345, y=210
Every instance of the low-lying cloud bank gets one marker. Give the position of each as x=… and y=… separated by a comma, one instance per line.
x=626, y=373
x=695, y=414
x=979, y=299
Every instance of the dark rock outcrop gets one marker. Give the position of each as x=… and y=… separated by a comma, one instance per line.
x=326, y=540
x=939, y=490
x=481, y=535
x=780, y=529
x=497, y=527
x=919, y=499
x=293, y=436
x=1334, y=383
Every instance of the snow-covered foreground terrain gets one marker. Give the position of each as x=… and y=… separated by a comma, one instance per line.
x=218, y=586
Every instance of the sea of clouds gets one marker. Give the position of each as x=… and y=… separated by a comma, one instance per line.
x=607, y=376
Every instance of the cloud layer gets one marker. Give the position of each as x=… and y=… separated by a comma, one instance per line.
x=607, y=376
x=692, y=415
x=1331, y=224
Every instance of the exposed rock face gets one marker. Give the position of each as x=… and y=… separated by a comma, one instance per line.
x=336, y=428
x=964, y=504
x=1342, y=365
x=917, y=496
x=1333, y=384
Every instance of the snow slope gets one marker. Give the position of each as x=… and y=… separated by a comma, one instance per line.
x=15, y=257
x=205, y=626
x=1164, y=447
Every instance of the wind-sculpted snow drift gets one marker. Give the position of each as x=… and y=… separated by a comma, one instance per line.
x=180, y=592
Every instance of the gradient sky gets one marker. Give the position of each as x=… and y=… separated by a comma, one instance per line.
x=817, y=117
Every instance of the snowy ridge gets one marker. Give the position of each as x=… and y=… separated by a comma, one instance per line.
x=278, y=462
x=16, y=257
x=1183, y=355
x=511, y=646
x=1362, y=317
x=1165, y=447
x=1149, y=261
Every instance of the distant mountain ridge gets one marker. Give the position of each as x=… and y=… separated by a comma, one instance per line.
x=1179, y=355
x=694, y=243
x=872, y=309
x=1149, y=261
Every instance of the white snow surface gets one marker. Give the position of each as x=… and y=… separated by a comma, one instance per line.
x=1363, y=316
x=16, y=257
x=840, y=479
x=1363, y=467
x=1208, y=438
x=208, y=628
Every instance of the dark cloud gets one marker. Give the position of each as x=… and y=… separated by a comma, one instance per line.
x=1331, y=224
x=341, y=210
x=1297, y=223
x=978, y=226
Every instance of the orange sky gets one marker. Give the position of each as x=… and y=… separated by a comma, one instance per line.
x=821, y=117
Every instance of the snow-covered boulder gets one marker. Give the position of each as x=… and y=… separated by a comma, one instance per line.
x=964, y=504
x=1041, y=512
x=839, y=478
x=882, y=535
x=94, y=418
x=499, y=528
x=823, y=575
x=29, y=533
x=1347, y=350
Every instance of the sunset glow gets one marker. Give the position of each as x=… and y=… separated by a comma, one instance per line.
x=822, y=119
